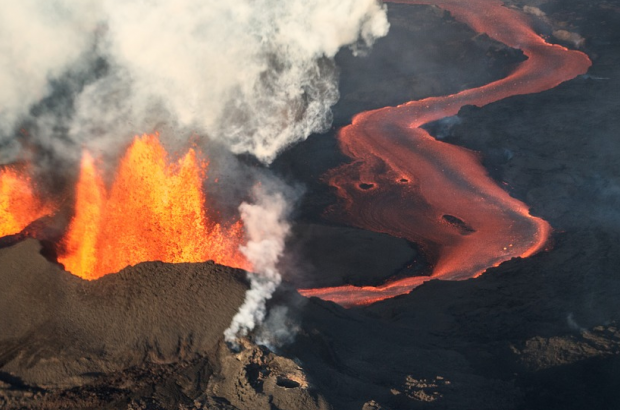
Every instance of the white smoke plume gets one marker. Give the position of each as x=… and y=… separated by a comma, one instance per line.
x=278, y=329
x=39, y=41
x=255, y=75
x=266, y=225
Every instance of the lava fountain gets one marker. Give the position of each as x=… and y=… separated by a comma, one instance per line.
x=405, y=183
x=153, y=210
x=19, y=205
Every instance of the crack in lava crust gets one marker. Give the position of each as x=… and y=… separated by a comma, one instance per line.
x=405, y=183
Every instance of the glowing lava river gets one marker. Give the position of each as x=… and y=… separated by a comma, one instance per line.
x=405, y=183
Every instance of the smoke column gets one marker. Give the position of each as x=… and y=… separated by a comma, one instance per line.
x=266, y=227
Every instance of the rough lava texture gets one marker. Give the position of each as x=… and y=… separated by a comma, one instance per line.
x=150, y=336
x=256, y=378
x=61, y=331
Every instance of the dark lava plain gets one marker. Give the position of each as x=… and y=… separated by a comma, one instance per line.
x=538, y=333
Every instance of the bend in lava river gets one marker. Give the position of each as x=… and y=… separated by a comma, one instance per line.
x=405, y=183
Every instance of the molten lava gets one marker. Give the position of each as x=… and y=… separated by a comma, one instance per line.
x=154, y=210
x=406, y=183
x=19, y=206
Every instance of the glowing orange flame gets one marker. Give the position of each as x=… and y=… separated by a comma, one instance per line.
x=154, y=210
x=18, y=204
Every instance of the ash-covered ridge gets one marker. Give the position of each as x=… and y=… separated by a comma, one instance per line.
x=150, y=336
x=59, y=330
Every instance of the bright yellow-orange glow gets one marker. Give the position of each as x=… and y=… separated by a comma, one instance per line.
x=18, y=204
x=154, y=210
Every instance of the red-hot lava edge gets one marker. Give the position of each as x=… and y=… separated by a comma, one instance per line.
x=405, y=183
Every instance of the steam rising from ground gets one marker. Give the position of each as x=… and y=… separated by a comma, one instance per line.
x=252, y=75
x=256, y=75
x=278, y=329
x=266, y=225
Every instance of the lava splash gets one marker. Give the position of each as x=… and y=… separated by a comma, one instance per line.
x=405, y=183
x=19, y=204
x=153, y=210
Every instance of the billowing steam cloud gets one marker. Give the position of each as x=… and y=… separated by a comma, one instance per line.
x=252, y=75
x=255, y=75
x=39, y=41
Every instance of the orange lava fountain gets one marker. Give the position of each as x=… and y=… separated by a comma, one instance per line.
x=154, y=210
x=19, y=206
x=406, y=183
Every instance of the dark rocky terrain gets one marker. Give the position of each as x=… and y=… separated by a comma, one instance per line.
x=536, y=333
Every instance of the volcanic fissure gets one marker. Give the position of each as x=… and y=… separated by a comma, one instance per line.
x=401, y=181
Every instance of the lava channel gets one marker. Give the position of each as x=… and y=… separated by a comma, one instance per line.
x=405, y=183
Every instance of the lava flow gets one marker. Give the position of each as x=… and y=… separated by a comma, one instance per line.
x=405, y=183
x=19, y=206
x=153, y=211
